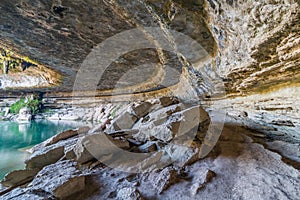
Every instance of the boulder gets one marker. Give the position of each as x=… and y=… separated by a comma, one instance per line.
x=128, y=193
x=95, y=146
x=142, y=109
x=69, y=187
x=46, y=157
x=121, y=143
x=61, y=136
x=18, y=177
x=184, y=121
x=180, y=155
x=81, y=153
x=150, y=162
x=163, y=113
x=24, y=115
x=61, y=180
x=166, y=101
x=124, y=133
x=161, y=180
x=100, y=127
x=134, y=142
x=172, y=122
x=83, y=130
x=22, y=194
x=202, y=177
x=162, y=132
x=124, y=121
x=48, y=144
x=154, y=125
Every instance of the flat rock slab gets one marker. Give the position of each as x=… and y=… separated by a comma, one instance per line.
x=61, y=179
x=24, y=194
x=57, y=181
x=59, y=137
x=18, y=177
x=166, y=101
x=41, y=159
x=124, y=121
x=142, y=109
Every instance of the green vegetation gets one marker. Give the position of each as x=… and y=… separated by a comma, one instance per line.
x=35, y=105
x=2, y=113
x=16, y=107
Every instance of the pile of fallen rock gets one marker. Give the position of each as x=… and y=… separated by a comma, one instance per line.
x=158, y=137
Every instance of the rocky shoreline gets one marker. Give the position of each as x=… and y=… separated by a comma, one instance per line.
x=152, y=150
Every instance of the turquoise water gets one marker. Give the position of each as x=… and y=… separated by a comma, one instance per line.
x=15, y=136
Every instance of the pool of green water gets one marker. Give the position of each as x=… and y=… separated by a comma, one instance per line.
x=14, y=137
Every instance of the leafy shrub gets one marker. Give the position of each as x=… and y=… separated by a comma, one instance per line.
x=34, y=105
x=16, y=107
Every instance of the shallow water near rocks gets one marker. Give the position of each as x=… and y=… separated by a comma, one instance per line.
x=14, y=137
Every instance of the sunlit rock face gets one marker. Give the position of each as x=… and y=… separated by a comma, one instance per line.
x=258, y=58
x=252, y=47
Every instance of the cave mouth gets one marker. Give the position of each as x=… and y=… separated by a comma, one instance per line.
x=21, y=72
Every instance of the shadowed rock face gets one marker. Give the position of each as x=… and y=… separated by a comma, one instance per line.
x=252, y=47
x=61, y=35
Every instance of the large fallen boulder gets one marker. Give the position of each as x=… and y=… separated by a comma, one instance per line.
x=173, y=122
x=96, y=146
